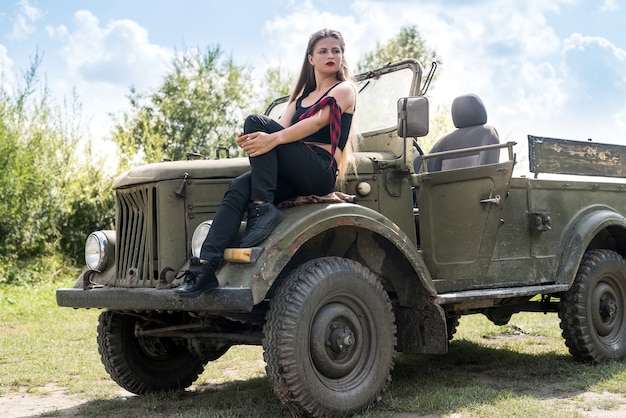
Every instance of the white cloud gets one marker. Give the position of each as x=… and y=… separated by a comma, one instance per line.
x=119, y=53
x=609, y=6
x=104, y=61
x=290, y=33
x=595, y=74
x=5, y=61
x=21, y=28
x=532, y=79
x=6, y=73
x=582, y=42
x=24, y=21
x=31, y=12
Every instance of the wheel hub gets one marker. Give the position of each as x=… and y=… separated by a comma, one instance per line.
x=341, y=338
x=608, y=308
x=334, y=344
x=153, y=347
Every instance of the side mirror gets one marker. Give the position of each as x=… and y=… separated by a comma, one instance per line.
x=412, y=116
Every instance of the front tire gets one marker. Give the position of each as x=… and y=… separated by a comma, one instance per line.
x=144, y=365
x=330, y=338
x=593, y=311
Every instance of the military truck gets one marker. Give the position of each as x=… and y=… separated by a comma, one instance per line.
x=340, y=287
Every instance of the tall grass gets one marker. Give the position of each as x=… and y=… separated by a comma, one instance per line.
x=519, y=370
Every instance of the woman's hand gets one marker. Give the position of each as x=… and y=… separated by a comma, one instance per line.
x=241, y=138
x=256, y=143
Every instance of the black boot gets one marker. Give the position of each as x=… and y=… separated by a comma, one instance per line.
x=199, y=279
x=262, y=219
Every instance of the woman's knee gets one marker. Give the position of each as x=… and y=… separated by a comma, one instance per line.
x=260, y=123
x=253, y=123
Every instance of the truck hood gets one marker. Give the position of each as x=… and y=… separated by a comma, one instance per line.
x=171, y=170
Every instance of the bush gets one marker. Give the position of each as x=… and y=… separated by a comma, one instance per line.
x=49, y=197
x=90, y=206
x=43, y=269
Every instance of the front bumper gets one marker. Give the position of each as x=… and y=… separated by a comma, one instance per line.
x=149, y=299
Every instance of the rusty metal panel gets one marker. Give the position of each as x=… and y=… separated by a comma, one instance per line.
x=586, y=158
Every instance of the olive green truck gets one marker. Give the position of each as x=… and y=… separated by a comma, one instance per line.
x=341, y=286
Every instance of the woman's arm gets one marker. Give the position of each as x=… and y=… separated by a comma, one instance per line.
x=258, y=143
x=284, y=120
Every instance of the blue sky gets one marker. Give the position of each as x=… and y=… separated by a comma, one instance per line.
x=549, y=68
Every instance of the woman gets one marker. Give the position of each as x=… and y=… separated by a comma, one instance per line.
x=298, y=155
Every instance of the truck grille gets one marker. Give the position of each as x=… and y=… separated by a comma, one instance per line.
x=136, y=237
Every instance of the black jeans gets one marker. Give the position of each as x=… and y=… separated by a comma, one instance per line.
x=288, y=170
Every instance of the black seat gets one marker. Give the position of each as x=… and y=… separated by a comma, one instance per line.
x=470, y=118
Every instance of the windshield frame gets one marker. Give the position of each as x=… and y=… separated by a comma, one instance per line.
x=376, y=113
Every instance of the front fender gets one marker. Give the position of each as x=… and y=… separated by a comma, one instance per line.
x=304, y=223
x=579, y=233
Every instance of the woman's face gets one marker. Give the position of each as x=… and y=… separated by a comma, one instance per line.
x=327, y=55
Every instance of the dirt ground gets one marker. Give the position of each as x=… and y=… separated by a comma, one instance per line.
x=52, y=401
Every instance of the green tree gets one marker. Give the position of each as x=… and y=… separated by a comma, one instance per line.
x=198, y=108
x=277, y=83
x=407, y=44
x=32, y=159
x=89, y=204
x=45, y=182
x=440, y=124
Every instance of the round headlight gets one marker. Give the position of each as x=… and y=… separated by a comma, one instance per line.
x=198, y=237
x=97, y=250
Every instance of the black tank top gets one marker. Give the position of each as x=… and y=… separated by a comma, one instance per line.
x=323, y=135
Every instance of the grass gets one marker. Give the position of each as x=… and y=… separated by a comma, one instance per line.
x=42, y=344
x=521, y=369
x=518, y=370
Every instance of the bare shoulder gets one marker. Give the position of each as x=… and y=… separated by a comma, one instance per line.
x=345, y=94
x=344, y=88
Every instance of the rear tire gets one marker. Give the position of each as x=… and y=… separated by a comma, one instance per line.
x=593, y=311
x=144, y=364
x=330, y=338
